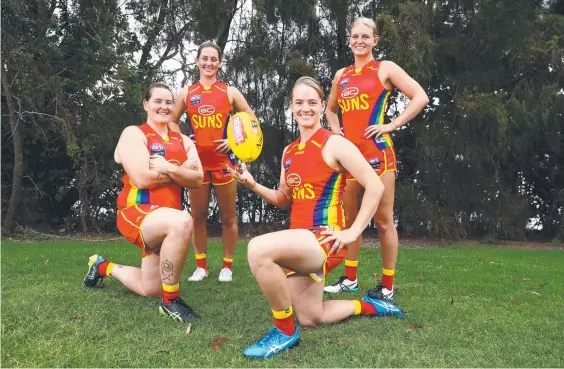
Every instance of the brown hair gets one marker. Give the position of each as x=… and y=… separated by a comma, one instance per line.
x=149, y=90
x=367, y=22
x=310, y=82
x=209, y=44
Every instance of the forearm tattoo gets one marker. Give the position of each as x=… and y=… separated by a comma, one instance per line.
x=167, y=270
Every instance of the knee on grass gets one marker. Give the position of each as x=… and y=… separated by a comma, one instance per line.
x=310, y=321
x=151, y=291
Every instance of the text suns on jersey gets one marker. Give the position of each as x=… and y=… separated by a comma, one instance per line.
x=300, y=191
x=206, y=116
x=350, y=99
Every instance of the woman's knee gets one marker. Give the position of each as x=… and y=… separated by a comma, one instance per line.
x=200, y=217
x=309, y=320
x=257, y=252
x=151, y=290
x=384, y=222
x=229, y=221
x=182, y=224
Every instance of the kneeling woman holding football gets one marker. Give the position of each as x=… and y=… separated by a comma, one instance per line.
x=208, y=104
x=311, y=185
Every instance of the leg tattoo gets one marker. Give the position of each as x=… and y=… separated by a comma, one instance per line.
x=167, y=270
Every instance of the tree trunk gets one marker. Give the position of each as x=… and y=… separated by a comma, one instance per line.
x=152, y=35
x=224, y=31
x=16, y=195
x=84, y=183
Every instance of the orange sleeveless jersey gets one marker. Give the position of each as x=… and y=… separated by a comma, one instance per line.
x=316, y=187
x=208, y=109
x=165, y=196
x=363, y=99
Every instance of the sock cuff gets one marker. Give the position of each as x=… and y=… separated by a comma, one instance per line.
x=229, y=260
x=109, y=269
x=388, y=271
x=282, y=314
x=169, y=288
x=351, y=263
x=200, y=256
x=357, y=307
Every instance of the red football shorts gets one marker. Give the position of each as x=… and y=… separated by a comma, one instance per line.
x=129, y=221
x=382, y=161
x=331, y=261
x=218, y=177
x=215, y=166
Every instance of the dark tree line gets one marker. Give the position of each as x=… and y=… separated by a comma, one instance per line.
x=484, y=159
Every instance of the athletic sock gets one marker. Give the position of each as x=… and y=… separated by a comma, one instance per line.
x=201, y=261
x=284, y=320
x=364, y=308
x=388, y=278
x=170, y=292
x=227, y=263
x=105, y=268
x=351, y=267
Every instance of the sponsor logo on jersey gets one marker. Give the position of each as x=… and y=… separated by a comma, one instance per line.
x=374, y=163
x=381, y=139
x=328, y=228
x=157, y=149
x=287, y=164
x=206, y=110
x=195, y=100
x=293, y=180
x=344, y=82
x=349, y=93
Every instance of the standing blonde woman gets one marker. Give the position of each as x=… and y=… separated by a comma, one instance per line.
x=361, y=91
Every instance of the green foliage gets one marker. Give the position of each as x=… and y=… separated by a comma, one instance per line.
x=484, y=158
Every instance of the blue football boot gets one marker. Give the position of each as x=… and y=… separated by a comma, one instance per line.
x=383, y=308
x=274, y=342
x=93, y=278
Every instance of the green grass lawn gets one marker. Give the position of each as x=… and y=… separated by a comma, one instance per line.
x=466, y=306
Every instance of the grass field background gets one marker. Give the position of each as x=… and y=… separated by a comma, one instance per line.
x=467, y=305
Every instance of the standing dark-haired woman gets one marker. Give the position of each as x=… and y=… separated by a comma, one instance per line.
x=208, y=104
